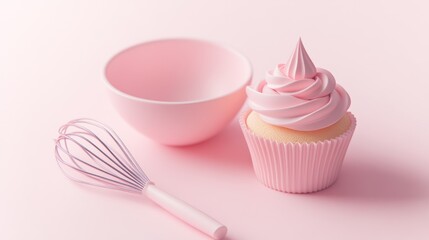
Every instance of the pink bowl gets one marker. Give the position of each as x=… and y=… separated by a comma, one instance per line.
x=178, y=91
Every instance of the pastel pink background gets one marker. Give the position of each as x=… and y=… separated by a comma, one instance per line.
x=52, y=56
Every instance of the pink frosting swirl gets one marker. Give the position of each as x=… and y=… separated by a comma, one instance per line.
x=299, y=96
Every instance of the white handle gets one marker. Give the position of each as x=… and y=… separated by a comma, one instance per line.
x=186, y=212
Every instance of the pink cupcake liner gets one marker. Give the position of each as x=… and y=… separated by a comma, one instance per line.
x=297, y=167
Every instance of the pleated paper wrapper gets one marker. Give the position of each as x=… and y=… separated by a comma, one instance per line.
x=297, y=167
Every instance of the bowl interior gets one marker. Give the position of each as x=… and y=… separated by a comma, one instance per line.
x=178, y=70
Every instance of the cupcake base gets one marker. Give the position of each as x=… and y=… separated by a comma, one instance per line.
x=295, y=167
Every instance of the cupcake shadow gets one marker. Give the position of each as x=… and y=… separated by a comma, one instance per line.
x=364, y=179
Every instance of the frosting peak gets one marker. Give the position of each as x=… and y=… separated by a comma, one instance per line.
x=299, y=96
x=300, y=65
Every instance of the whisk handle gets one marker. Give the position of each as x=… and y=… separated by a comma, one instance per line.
x=186, y=212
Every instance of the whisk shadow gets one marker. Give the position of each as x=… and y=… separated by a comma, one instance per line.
x=365, y=181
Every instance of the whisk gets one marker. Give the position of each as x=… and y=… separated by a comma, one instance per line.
x=90, y=152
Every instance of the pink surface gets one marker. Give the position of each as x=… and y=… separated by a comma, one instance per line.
x=51, y=70
x=167, y=89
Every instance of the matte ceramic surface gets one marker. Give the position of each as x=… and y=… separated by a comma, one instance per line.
x=178, y=91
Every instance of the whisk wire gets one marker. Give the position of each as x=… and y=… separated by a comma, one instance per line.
x=80, y=169
x=107, y=183
x=125, y=150
x=113, y=167
x=131, y=175
x=129, y=157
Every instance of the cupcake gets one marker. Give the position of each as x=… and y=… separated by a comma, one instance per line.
x=298, y=128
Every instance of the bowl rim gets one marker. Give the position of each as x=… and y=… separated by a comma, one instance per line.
x=235, y=52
